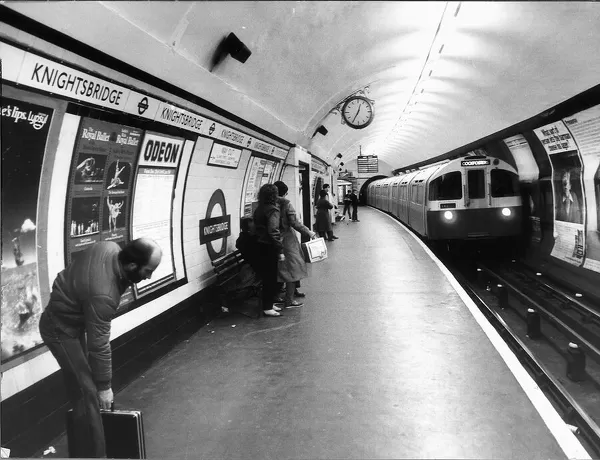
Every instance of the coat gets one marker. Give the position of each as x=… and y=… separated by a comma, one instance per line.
x=293, y=268
x=323, y=221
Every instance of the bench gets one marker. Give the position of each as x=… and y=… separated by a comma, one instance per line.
x=235, y=279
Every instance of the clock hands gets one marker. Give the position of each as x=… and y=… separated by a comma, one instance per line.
x=356, y=114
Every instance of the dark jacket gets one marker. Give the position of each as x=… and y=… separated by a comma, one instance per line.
x=354, y=199
x=247, y=243
x=85, y=297
x=266, y=225
x=322, y=221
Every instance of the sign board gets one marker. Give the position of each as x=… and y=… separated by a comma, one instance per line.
x=223, y=155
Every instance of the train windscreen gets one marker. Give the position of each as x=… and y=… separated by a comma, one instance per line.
x=446, y=187
x=476, y=179
x=504, y=183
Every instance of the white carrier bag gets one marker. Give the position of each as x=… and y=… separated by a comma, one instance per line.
x=315, y=250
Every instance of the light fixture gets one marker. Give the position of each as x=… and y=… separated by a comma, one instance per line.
x=321, y=130
x=233, y=46
x=506, y=212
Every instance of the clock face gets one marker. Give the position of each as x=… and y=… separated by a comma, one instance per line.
x=358, y=112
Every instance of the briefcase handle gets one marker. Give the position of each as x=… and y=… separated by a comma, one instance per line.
x=112, y=408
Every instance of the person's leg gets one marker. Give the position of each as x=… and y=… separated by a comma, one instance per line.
x=270, y=281
x=322, y=234
x=81, y=391
x=330, y=236
x=297, y=293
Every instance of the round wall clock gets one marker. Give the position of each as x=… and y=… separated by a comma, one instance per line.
x=358, y=112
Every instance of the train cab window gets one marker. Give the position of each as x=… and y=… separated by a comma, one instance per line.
x=476, y=181
x=504, y=183
x=446, y=187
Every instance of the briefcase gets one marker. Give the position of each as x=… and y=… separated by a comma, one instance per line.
x=123, y=433
x=314, y=250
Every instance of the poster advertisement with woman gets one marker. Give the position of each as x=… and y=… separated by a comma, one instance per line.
x=25, y=129
x=529, y=174
x=585, y=128
x=569, y=200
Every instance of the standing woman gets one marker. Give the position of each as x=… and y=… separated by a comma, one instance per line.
x=270, y=246
x=323, y=221
x=293, y=269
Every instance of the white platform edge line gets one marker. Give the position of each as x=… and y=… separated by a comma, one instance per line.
x=563, y=435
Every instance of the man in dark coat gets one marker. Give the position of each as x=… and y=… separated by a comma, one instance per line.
x=354, y=199
x=76, y=328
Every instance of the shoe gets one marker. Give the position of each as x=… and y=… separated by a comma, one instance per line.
x=329, y=239
x=276, y=308
x=271, y=313
x=297, y=293
x=294, y=304
x=335, y=237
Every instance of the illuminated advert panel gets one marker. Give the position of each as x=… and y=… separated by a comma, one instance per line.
x=158, y=161
x=99, y=191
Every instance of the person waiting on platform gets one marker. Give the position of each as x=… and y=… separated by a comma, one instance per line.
x=347, y=204
x=329, y=196
x=293, y=269
x=323, y=221
x=76, y=328
x=247, y=243
x=266, y=224
x=354, y=199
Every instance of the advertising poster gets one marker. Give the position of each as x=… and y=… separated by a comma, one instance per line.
x=569, y=210
x=585, y=128
x=158, y=161
x=25, y=129
x=529, y=174
x=99, y=193
x=256, y=167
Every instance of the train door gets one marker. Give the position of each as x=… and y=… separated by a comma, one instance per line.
x=475, y=189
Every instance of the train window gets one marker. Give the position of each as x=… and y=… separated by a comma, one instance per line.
x=504, y=183
x=446, y=187
x=476, y=178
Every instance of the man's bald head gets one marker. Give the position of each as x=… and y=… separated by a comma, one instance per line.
x=140, y=258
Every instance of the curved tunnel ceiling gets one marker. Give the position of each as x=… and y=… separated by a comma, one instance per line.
x=500, y=63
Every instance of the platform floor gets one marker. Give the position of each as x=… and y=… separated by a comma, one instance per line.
x=383, y=361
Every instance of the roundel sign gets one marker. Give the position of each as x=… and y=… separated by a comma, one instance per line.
x=216, y=226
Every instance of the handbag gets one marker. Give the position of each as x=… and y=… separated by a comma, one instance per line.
x=314, y=250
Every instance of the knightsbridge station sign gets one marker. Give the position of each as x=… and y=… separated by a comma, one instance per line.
x=28, y=69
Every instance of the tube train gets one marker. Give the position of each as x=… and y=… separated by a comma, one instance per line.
x=473, y=197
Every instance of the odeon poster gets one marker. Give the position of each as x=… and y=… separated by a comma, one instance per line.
x=25, y=129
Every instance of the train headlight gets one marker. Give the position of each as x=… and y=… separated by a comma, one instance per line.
x=448, y=215
x=506, y=212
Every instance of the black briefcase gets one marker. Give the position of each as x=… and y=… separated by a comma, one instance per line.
x=123, y=432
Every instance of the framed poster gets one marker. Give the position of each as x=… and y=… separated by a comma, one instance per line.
x=99, y=192
x=152, y=204
x=25, y=128
x=224, y=156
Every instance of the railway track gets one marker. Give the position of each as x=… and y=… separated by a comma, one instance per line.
x=504, y=292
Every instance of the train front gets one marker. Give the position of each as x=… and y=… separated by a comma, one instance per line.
x=474, y=198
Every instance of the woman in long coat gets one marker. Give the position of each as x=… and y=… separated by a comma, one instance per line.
x=270, y=244
x=323, y=221
x=293, y=268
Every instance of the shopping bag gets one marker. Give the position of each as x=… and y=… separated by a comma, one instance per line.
x=314, y=250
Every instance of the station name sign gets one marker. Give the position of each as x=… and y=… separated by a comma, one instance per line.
x=35, y=71
x=474, y=162
x=214, y=228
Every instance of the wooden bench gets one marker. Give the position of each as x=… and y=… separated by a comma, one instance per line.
x=228, y=268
